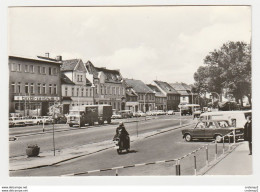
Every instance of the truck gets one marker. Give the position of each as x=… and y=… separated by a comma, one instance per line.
x=89, y=114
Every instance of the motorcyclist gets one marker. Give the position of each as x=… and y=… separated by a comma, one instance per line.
x=123, y=135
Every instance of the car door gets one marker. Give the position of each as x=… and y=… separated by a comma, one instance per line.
x=210, y=130
x=199, y=130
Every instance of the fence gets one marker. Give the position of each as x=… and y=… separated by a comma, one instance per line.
x=188, y=164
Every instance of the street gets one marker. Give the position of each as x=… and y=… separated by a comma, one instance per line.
x=165, y=146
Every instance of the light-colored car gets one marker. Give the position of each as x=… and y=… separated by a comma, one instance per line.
x=139, y=114
x=116, y=116
x=170, y=112
x=17, y=121
x=37, y=120
x=47, y=119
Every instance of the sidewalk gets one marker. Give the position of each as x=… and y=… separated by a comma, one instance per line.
x=238, y=162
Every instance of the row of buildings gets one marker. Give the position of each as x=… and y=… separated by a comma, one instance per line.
x=37, y=83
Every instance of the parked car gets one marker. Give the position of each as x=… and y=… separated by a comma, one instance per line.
x=17, y=121
x=47, y=119
x=11, y=123
x=126, y=113
x=116, y=116
x=139, y=114
x=37, y=120
x=213, y=129
x=170, y=112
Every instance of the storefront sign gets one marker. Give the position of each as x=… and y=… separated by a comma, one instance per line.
x=36, y=98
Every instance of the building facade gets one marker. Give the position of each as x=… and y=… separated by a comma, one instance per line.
x=173, y=97
x=132, y=103
x=108, y=86
x=76, y=89
x=160, y=98
x=186, y=96
x=146, y=96
x=34, y=85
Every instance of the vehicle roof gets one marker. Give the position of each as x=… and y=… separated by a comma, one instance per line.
x=224, y=112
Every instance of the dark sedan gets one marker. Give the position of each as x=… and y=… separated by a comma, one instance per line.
x=211, y=130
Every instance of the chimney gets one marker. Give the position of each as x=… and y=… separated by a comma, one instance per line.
x=59, y=58
x=47, y=55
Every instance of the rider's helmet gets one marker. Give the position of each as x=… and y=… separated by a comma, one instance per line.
x=121, y=123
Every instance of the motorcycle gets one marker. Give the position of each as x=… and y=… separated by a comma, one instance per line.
x=122, y=144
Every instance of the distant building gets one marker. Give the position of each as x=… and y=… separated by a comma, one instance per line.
x=173, y=97
x=34, y=85
x=76, y=88
x=146, y=96
x=187, y=96
x=131, y=99
x=160, y=98
x=109, y=86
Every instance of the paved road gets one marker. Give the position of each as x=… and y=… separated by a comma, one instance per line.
x=66, y=137
x=169, y=145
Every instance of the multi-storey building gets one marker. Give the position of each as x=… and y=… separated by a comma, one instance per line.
x=108, y=86
x=76, y=89
x=34, y=85
x=186, y=96
x=146, y=96
x=160, y=98
x=131, y=99
x=173, y=97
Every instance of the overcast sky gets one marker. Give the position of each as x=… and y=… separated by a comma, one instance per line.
x=146, y=43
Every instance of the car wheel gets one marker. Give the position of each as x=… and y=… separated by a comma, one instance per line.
x=118, y=151
x=38, y=123
x=188, y=137
x=218, y=138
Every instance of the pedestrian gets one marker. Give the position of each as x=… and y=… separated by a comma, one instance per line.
x=248, y=133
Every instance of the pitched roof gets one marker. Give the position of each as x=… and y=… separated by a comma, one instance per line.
x=158, y=93
x=112, y=76
x=166, y=87
x=181, y=88
x=70, y=65
x=65, y=79
x=138, y=86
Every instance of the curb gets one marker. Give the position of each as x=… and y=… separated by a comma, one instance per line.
x=75, y=157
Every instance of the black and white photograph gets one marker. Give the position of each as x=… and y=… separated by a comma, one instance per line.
x=140, y=90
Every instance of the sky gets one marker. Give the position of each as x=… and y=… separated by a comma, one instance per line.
x=166, y=43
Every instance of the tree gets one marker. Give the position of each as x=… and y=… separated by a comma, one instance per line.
x=229, y=68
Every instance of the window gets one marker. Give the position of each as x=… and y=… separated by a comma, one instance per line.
x=13, y=87
x=80, y=78
x=82, y=92
x=49, y=70
x=44, y=88
x=39, y=69
x=72, y=91
x=87, y=92
x=19, y=87
x=13, y=67
x=26, y=87
x=39, y=88
x=43, y=70
x=55, y=71
x=50, y=88
x=32, y=88
x=26, y=69
x=66, y=91
x=31, y=69
x=77, y=91
x=19, y=67
x=55, y=89
x=105, y=90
